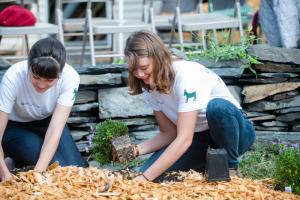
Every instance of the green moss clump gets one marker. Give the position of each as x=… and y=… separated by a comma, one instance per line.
x=104, y=133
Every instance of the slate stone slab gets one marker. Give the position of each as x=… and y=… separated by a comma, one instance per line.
x=274, y=123
x=83, y=126
x=117, y=102
x=267, y=105
x=78, y=135
x=85, y=107
x=236, y=92
x=287, y=110
x=284, y=95
x=293, y=137
x=139, y=121
x=263, y=118
x=257, y=92
x=289, y=117
x=262, y=80
x=255, y=114
x=276, y=67
x=221, y=64
x=263, y=128
x=4, y=64
x=86, y=96
x=101, y=79
x=80, y=120
x=144, y=128
x=229, y=72
x=275, y=54
x=101, y=68
x=296, y=128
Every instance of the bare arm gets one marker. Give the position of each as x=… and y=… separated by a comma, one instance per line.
x=52, y=137
x=185, y=132
x=4, y=172
x=167, y=134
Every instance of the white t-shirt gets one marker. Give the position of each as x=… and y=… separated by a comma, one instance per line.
x=23, y=103
x=193, y=88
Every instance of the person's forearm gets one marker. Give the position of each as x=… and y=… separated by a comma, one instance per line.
x=52, y=137
x=174, y=151
x=159, y=141
x=47, y=152
x=4, y=172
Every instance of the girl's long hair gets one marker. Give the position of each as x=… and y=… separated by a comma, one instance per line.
x=147, y=44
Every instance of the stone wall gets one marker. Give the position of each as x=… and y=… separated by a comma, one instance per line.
x=271, y=100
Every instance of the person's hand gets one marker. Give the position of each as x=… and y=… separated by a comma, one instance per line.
x=140, y=178
x=5, y=176
x=136, y=151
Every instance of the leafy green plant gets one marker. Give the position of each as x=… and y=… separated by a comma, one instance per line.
x=129, y=165
x=220, y=52
x=259, y=162
x=287, y=169
x=104, y=133
x=119, y=61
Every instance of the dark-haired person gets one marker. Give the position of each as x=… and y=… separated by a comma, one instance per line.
x=193, y=108
x=36, y=97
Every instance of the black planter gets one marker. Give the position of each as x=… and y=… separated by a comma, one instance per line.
x=217, y=165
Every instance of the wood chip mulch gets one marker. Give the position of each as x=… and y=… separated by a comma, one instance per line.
x=92, y=183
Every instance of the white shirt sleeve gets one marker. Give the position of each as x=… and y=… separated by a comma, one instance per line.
x=8, y=92
x=192, y=92
x=70, y=83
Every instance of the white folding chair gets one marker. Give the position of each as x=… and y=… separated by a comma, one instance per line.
x=206, y=21
x=70, y=26
x=40, y=28
x=160, y=22
x=116, y=26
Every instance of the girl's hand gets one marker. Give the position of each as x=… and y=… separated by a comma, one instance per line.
x=141, y=178
x=136, y=151
x=5, y=177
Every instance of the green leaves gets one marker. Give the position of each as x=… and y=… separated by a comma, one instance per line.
x=287, y=169
x=105, y=132
x=225, y=52
x=279, y=161
x=119, y=61
x=258, y=163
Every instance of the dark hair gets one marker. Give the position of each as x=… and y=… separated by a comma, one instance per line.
x=147, y=44
x=47, y=58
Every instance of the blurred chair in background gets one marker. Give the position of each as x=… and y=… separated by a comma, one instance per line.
x=42, y=29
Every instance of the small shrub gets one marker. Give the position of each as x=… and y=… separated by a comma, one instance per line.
x=104, y=133
x=219, y=52
x=258, y=163
x=287, y=169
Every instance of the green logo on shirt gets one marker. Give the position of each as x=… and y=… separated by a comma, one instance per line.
x=189, y=95
x=75, y=91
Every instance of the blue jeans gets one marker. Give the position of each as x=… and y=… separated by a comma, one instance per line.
x=22, y=141
x=229, y=128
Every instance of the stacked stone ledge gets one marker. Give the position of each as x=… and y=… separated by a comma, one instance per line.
x=271, y=100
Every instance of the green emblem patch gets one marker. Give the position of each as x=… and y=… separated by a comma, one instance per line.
x=189, y=95
x=75, y=91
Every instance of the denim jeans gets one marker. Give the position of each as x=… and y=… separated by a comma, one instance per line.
x=22, y=141
x=229, y=128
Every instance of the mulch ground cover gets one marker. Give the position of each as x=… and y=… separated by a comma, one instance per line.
x=93, y=183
